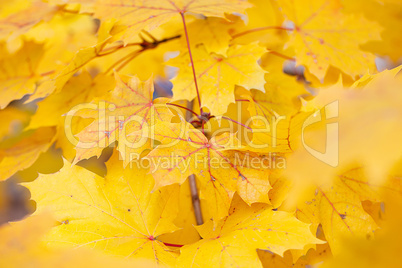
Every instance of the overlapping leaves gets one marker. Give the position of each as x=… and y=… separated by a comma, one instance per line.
x=233, y=58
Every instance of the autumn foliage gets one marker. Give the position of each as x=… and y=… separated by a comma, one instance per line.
x=200, y=133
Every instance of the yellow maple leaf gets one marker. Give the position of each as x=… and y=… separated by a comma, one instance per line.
x=24, y=152
x=21, y=246
x=122, y=115
x=337, y=207
x=81, y=58
x=149, y=14
x=384, y=250
x=388, y=15
x=19, y=71
x=217, y=75
x=274, y=114
x=271, y=132
x=64, y=35
x=373, y=195
x=213, y=32
x=116, y=214
x=235, y=239
x=22, y=15
x=322, y=36
x=194, y=154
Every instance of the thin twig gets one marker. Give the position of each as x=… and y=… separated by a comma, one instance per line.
x=195, y=199
x=191, y=179
x=185, y=108
x=191, y=60
x=124, y=60
x=145, y=45
x=150, y=36
x=111, y=50
x=281, y=55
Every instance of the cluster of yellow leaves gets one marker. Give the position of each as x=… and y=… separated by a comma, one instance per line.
x=276, y=110
x=21, y=246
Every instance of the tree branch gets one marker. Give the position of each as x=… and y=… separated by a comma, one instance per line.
x=193, y=185
x=145, y=45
